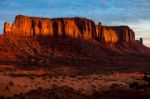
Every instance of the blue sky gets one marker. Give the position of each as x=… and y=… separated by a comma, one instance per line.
x=135, y=13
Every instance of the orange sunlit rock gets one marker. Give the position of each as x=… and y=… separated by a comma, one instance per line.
x=71, y=27
x=118, y=34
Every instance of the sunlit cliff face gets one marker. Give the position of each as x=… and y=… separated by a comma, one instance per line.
x=110, y=35
x=70, y=27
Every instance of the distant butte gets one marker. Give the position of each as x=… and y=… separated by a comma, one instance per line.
x=69, y=27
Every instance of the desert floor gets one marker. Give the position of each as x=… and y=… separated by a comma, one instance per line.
x=18, y=82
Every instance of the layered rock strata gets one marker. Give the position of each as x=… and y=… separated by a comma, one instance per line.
x=68, y=27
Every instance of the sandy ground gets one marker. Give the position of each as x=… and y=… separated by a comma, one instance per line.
x=23, y=81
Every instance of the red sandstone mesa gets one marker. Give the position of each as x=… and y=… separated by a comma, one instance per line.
x=71, y=27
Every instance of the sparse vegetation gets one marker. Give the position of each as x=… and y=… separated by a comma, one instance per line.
x=1, y=97
x=15, y=95
x=25, y=85
x=7, y=88
x=93, y=86
x=11, y=83
x=31, y=77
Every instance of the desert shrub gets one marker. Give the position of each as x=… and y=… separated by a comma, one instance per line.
x=26, y=86
x=18, y=85
x=54, y=86
x=52, y=93
x=61, y=80
x=11, y=83
x=95, y=95
x=44, y=78
x=21, y=93
x=39, y=82
x=1, y=97
x=81, y=89
x=40, y=88
x=63, y=77
x=79, y=78
x=8, y=98
x=15, y=95
x=72, y=76
x=22, y=97
x=7, y=88
x=50, y=76
x=114, y=86
x=93, y=86
x=31, y=77
x=137, y=86
x=57, y=97
x=133, y=85
x=146, y=78
x=139, y=97
x=36, y=84
x=95, y=78
x=54, y=80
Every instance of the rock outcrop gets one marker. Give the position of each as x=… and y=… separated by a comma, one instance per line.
x=117, y=34
x=71, y=27
x=7, y=28
x=141, y=40
x=34, y=26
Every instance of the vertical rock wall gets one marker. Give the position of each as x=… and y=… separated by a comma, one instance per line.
x=71, y=27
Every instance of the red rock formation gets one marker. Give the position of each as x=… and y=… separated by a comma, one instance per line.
x=109, y=35
x=117, y=34
x=125, y=34
x=70, y=27
x=98, y=32
x=34, y=26
x=7, y=28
